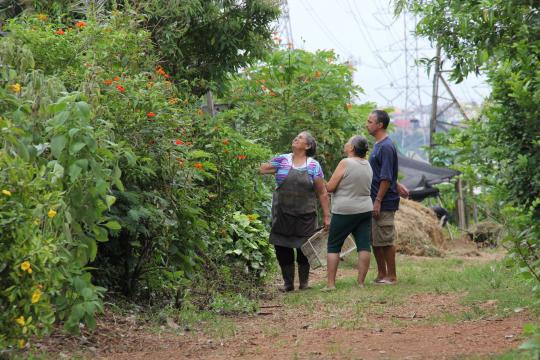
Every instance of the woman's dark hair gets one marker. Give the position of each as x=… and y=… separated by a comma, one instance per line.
x=360, y=145
x=310, y=140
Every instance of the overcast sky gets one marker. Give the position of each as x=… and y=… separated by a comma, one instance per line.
x=366, y=32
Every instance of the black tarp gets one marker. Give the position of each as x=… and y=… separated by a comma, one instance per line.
x=419, y=176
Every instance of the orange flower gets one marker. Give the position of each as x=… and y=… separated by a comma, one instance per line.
x=80, y=24
x=162, y=72
x=226, y=142
x=241, y=157
x=317, y=74
x=349, y=106
x=198, y=165
x=107, y=82
x=150, y=114
x=116, y=78
x=121, y=88
x=59, y=32
x=179, y=142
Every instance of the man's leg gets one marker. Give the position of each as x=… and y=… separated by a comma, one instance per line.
x=390, y=259
x=378, y=251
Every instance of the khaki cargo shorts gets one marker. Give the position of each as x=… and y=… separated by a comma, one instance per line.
x=382, y=229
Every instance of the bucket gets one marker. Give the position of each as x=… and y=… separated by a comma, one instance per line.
x=315, y=248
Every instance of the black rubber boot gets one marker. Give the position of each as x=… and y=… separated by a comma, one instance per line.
x=287, y=272
x=303, y=276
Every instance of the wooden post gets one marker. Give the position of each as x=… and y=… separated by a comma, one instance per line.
x=210, y=103
x=461, y=206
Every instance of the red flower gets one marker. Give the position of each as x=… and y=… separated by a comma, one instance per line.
x=107, y=82
x=80, y=24
x=241, y=157
x=179, y=142
x=121, y=88
x=116, y=78
x=59, y=32
x=198, y=165
x=150, y=114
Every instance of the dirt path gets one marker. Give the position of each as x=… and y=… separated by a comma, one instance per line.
x=281, y=330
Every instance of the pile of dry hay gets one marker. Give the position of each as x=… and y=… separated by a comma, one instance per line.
x=418, y=231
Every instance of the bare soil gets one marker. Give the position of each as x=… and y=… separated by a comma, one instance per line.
x=280, y=331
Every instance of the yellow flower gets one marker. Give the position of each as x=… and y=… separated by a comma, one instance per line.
x=42, y=17
x=21, y=343
x=29, y=271
x=6, y=192
x=16, y=88
x=36, y=296
x=252, y=217
x=51, y=213
x=25, y=266
x=20, y=320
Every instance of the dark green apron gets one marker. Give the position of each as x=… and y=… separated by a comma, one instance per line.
x=294, y=210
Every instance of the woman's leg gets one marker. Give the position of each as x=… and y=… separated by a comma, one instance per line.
x=340, y=228
x=361, y=237
x=285, y=258
x=303, y=269
x=363, y=265
x=332, y=260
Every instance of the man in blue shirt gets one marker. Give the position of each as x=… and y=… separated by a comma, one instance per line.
x=385, y=193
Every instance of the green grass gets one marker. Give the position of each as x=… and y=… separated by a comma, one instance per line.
x=474, y=282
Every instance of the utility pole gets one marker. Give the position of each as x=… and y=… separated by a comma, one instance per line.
x=285, y=28
x=434, y=97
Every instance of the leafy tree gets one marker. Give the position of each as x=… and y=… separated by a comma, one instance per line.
x=295, y=90
x=499, y=38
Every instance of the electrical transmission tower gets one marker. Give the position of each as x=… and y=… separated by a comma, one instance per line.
x=284, y=26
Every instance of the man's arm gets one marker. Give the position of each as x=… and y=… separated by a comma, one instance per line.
x=402, y=190
x=383, y=188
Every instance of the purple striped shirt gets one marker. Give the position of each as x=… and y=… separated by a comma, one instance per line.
x=283, y=163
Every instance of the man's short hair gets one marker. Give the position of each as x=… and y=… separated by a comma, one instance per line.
x=382, y=117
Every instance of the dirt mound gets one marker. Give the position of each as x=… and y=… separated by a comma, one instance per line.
x=418, y=231
x=486, y=233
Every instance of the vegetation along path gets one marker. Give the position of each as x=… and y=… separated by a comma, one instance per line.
x=454, y=307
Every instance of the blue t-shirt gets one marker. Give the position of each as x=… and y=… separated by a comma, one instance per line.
x=384, y=162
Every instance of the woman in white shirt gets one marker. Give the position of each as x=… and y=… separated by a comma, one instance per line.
x=351, y=208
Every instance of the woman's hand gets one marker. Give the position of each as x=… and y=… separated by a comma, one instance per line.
x=326, y=222
x=267, y=168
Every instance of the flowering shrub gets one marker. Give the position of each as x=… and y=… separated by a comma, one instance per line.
x=107, y=163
